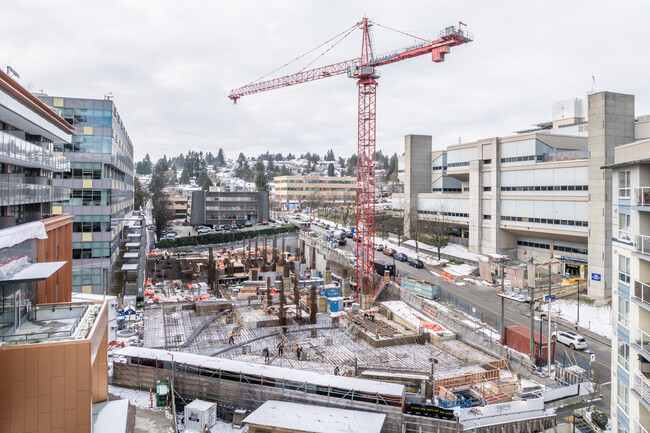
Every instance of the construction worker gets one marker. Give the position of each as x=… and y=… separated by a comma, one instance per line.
x=231, y=339
x=265, y=351
x=280, y=348
x=336, y=371
x=298, y=351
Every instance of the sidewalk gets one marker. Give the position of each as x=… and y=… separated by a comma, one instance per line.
x=568, y=326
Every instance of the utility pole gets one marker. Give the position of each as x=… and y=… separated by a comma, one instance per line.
x=503, y=302
x=548, y=342
x=532, y=313
x=578, y=319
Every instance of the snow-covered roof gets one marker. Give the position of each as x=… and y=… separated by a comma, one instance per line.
x=317, y=419
x=320, y=379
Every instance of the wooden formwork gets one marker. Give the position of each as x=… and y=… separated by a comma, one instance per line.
x=469, y=379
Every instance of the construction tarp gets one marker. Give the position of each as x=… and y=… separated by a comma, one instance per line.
x=516, y=276
x=14, y=235
x=484, y=271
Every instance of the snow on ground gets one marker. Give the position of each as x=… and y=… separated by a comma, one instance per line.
x=451, y=249
x=595, y=319
x=137, y=398
x=415, y=318
x=459, y=270
x=478, y=282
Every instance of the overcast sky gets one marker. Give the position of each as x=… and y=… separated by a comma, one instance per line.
x=171, y=64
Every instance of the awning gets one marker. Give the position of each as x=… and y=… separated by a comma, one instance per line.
x=131, y=255
x=33, y=272
x=130, y=267
x=132, y=245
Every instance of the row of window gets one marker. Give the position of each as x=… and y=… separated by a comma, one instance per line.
x=81, y=170
x=458, y=164
x=450, y=214
x=90, y=197
x=546, y=188
x=447, y=190
x=545, y=221
x=523, y=158
x=86, y=276
x=317, y=181
x=91, y=250
x=545, y=246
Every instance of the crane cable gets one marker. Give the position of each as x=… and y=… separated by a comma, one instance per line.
x=345, y=32
x=401, y=32
x=327, y=50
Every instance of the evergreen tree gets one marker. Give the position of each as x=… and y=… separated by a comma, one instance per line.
x=270, y=167
x=351, y=170
x=330, y=170
x=205, y=186
x=392, y=168
x=241, y=158
x=278, y=157
x=353, y=160
x=202, y=177
x=146, y=165
x=261, y=181
x=221, y=159
x=341, y=162
x=329, y=156
x=185, y=177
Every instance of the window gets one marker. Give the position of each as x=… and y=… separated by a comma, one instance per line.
x=624, y=312
x=623, y=397
x=624, y=183
x=624, y=226
x=624, y=269
x=487, y=188
x=487, y=217
x=623, y=354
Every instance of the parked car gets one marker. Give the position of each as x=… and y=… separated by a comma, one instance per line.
x=571, y=339
x=342, y=242
x=203, y=230
x=379, y=247
x=248, y=224
x=401, y=257
x=389, y=251
x=416, y=263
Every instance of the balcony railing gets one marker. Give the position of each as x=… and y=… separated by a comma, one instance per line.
x=641, y=385
x=31, y=154
x=642, y=342
x=624, y=235
x=638, y=427
x=642, y=244
x=641, y=292
x=642, y=196
x=12, y=194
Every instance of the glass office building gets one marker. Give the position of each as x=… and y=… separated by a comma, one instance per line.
x=101, y=184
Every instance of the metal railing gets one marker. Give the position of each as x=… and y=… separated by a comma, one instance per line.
x=26, y=193
x=641, y=292
x=642, y=244
x=624, y=235
x=36, y=336
x=638, y=427
x=624, y=320
x=641, y=385
x=17, y=148
x=642, y=341
x=642, y=196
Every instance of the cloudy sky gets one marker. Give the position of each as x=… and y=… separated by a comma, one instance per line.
x=171, y=64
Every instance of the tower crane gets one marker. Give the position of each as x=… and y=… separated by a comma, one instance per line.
x=364, y=70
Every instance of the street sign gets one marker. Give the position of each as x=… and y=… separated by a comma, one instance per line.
x=592, y=357
x=595, y=276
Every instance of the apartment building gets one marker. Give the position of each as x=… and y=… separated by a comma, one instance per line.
x=217, y=207
x=30, y=134
x=177, y=205
x=537, y=194
x=101, y=183
x=295, y=192
x=53, y=353
x=630, y=381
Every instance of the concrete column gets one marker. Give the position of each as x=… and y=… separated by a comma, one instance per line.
x=611, y=123
x=417, y=175
x=475, y=202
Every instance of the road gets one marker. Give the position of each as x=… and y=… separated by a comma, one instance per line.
x=482, y=302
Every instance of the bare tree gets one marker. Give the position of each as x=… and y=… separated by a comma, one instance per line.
x=437, y=229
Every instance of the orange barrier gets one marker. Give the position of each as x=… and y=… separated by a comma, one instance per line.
x=447, y=276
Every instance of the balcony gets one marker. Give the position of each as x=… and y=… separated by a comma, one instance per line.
x=641, y=343
x=642, y=198
x=638, y=427
x=641, y=388
x=642, y=246
x=12, y=194
x=641, y=294
x=14, y=150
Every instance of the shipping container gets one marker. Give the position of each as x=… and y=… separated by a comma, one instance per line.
x=518, y=338
x=381, y=268
x=198, y=414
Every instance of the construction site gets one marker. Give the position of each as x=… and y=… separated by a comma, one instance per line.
x=240, y=326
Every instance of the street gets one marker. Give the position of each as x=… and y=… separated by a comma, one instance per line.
x=483, y=303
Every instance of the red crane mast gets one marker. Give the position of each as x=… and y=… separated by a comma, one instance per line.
x=363, y=69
